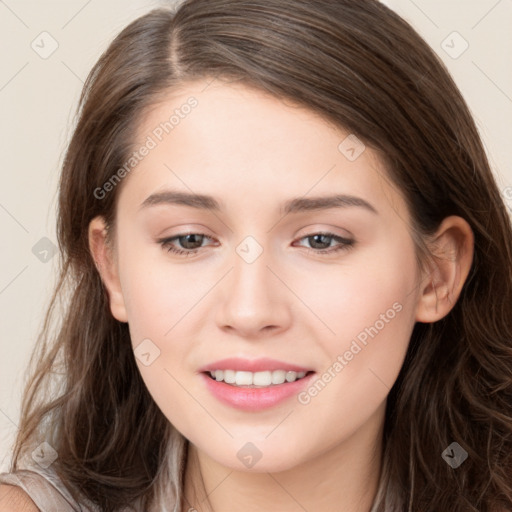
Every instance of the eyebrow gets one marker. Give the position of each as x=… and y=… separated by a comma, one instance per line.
x=296, y=205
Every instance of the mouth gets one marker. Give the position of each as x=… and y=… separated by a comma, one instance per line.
x=252, y=392
x=255, y=384
x=261, y=379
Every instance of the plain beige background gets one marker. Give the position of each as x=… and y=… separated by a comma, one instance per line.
x=39, y=92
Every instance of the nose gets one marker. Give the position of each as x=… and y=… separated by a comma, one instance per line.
x=254, y=301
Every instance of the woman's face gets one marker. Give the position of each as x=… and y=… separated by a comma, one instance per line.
x=258, y=280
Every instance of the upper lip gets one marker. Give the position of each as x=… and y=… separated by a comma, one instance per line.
x=252, y=365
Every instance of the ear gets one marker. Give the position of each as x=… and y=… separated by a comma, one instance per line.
x=104, y=258
x=452, y=248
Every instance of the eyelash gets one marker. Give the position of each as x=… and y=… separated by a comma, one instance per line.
x=346, y=244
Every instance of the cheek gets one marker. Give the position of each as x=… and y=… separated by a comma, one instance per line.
x=157, y=293
x=370, y=308
x=158, y=298
x=373, y=318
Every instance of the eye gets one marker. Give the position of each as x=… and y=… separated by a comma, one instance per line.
x=189, y=241
x=320, y=242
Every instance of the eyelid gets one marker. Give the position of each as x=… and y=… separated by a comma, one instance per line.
x=308, y=233
x=316, y=228
x=343, y=244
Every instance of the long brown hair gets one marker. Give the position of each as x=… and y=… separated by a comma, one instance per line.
x=362, y=67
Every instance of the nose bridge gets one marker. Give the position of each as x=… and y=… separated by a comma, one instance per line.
x=251, y=278
x=253, y=300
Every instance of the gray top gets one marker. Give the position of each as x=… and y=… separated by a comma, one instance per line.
x=46, y=490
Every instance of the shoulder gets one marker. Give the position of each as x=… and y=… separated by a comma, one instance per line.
x=15, y=499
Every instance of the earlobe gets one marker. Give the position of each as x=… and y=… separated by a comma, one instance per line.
x=452, y=248
x=103, y=257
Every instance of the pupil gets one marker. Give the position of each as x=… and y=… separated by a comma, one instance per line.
x=187, y=243
x=315, y=237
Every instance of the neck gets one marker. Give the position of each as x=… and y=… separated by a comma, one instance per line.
x=344, y=478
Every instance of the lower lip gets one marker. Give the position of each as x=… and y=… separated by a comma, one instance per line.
x=255, y=399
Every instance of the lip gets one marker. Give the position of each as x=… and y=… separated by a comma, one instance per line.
x=254, y=399
x=252, y=365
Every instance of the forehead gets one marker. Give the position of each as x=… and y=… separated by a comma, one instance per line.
x=238, y=142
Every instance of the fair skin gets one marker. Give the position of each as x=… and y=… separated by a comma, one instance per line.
x=252, y=153
x=15, y=499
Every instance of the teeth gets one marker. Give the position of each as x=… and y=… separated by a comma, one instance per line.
x=256, y=379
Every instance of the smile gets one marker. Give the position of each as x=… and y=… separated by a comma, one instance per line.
x=253, y=397
x=256, y=379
